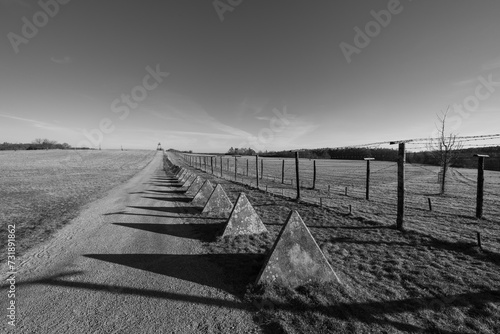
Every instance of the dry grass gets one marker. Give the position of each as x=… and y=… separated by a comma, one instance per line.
x=431, y=278
x=456, y=207
x=43, y=190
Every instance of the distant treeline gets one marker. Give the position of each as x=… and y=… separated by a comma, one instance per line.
x=37, y=144
x=463, y=158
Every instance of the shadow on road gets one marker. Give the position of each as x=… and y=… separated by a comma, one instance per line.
x=185, y=209
x=239, y=270
x=56, y=280
x=197, y=269
x=159, y=216
x=203, y=232
x=167, y=191
x=171, y=199
x=169, y=185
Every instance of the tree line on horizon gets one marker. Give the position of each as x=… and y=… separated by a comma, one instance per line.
x=37, y=144
x=464, y=158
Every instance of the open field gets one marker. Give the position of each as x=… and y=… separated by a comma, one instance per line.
x=42, y=190
x=431, y=278
x=453, y=214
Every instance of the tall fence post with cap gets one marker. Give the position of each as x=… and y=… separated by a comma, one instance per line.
x=401, y=183
x=401, y=186
x=480, y=184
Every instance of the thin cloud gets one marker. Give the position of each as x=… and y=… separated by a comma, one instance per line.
x=176, y=132
x=35, y=123
x=493, y=65
x=161, y=115
x=65, y=60
x=465, y=82
x=196, y=114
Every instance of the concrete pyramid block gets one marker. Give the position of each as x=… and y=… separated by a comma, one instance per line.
x=243, y=219
x=189, y=180
x=195, y=186
x=184, y=177
x=201, y=197
x=181, y=175
x=296, y=258
x=218, y=205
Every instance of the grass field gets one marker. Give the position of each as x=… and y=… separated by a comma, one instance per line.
x=430, y=278
x=43, y=190
x=453, y=213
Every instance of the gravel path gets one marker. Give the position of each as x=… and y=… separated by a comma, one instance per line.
x=127, y=264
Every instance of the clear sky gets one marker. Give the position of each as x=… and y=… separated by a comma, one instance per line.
x=205, y=76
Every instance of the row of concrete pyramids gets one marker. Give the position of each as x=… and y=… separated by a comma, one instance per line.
x=295, y=258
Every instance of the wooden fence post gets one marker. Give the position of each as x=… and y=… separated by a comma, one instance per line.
x=297, y=174
x=480, y=184
x=314, y=174
x=257, y=169
x=283, y=172
x=368, y=177
x=221, y=164
x=235, y=167
x=401, y=186
x=247, y=166
x=212, y=164
x=261, y=168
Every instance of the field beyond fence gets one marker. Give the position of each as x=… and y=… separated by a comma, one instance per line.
x=341, y=184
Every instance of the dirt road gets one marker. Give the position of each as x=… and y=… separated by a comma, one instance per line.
x=127, y=264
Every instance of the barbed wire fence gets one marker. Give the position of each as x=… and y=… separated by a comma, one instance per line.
x=341, y=184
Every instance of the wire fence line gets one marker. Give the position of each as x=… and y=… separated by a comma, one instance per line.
x=341, y=183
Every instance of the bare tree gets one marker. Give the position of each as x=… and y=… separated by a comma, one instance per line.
x=444, y=148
